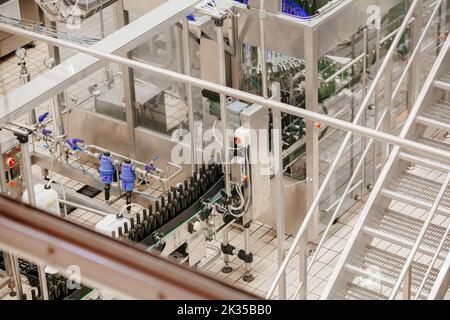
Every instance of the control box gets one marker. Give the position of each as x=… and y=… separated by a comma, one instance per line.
x=12, y=166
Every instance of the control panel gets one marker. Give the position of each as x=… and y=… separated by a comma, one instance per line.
x=12, y=167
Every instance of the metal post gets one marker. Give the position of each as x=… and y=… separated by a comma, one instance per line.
x=407, y=286
x=376, y=105
x=236, y=60
x=312, y=128
x=262, y=41
x=189, y=97
x=178, y=56
x=128, y=86
x=224, y=119
x=277, y=141
x=388, y=105
x=28, y=177
x=364, y=118
x=248, y=277
x=416, y=69
x=223, y=104
x=8, y=256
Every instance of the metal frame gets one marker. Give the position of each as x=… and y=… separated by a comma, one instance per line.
x=104, y=262
x=311, y=115
x=315, y=203
x=391, y=165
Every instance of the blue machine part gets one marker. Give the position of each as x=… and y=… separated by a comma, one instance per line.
x=293, y=8
x=43, y=117
x=289, y=7
x=191, y=17
x=127, y=176
x=46, y=132
x=106, y=168
x=151, y=167
x=73, y=143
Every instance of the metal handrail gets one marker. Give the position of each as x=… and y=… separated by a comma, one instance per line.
x=371, y=91
x=419, y=240
x=417, y=49
x=433, y=261
x=369, y=145
x=340, y=203
x=344, y=195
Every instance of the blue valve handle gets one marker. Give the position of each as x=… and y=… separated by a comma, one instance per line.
x=42, y=117
x=150, y=167
x=73, y=143
x=46, y=132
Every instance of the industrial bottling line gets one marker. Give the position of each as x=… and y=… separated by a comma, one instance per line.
x=178, y=121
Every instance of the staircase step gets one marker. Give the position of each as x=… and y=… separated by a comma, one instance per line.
x=402, y=229
x=427, y=161
x=436, y=116
x=418, y=191
x=443, y=82
x=356, y=292
x=388, y=267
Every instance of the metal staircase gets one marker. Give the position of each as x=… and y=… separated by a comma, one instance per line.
x=393, y=255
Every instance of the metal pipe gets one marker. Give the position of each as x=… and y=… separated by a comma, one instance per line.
x=262, y=43
x=189, y=97
x=333, y=167
x=433, y=261
x=28, y=177
x=277, y=141
x=25, y=77
x=364, y=118
x=79, y=206
x=376, y=102
x=223, y=105
x=248, y=277
x=423, y=230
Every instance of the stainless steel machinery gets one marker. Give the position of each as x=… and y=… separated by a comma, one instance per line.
x=213, y=159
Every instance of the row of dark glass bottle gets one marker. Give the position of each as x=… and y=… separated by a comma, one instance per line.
x=178, y=200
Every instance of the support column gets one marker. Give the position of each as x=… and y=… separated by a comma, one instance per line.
x=312, y=129
x=386, y=127
x=11, y=261
x=224, y=120
x=128, y=86
x=189, y=97
x=277, y=148
x=416, y=66
x=28, y=177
